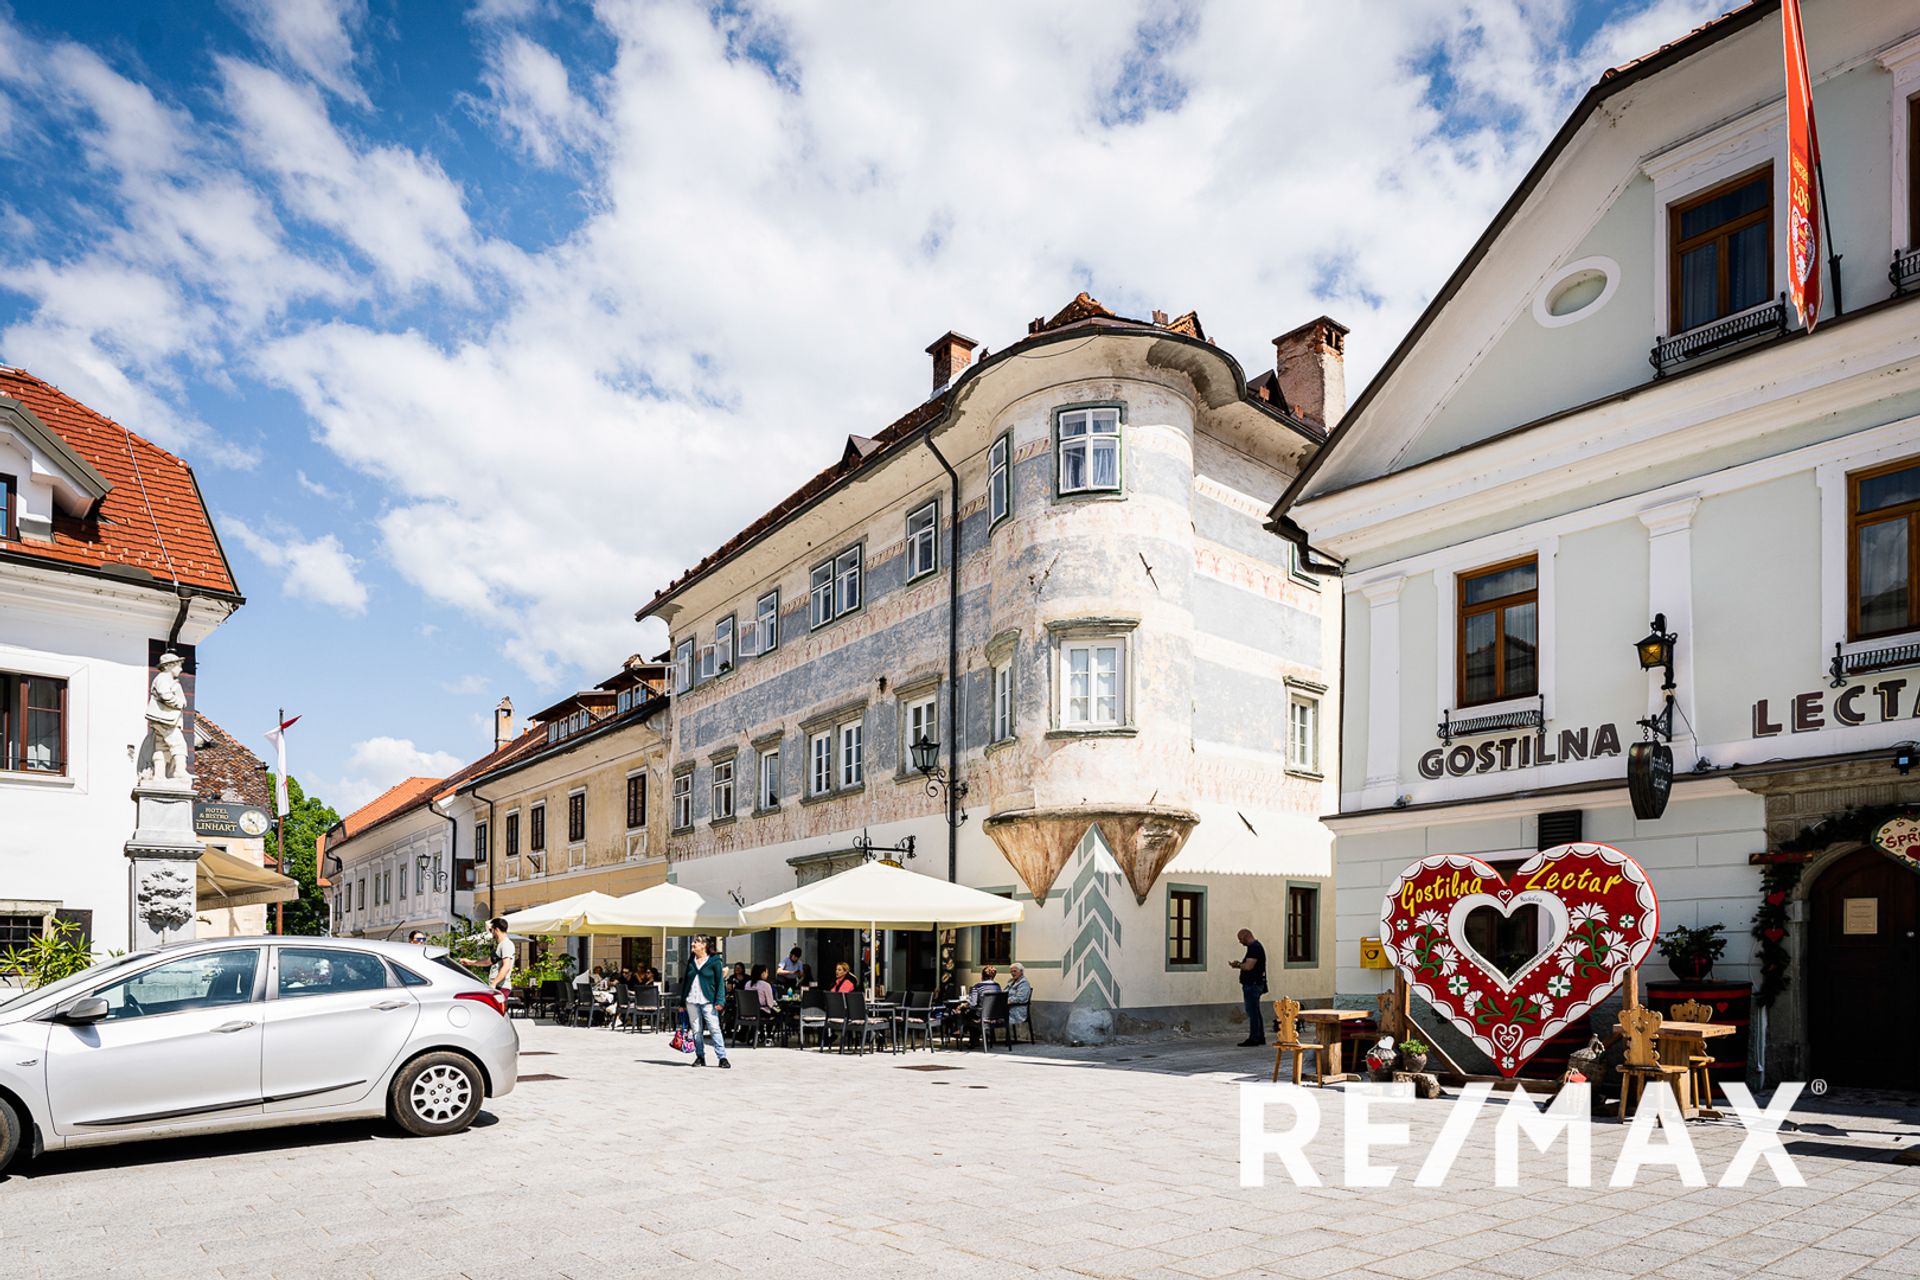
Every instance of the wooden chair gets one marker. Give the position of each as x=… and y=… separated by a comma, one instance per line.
x=1638, y=1027
x=1701, y=1059
x=1286, y=1017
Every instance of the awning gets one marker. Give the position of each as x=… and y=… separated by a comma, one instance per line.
x=880, y=895
x=227, y=881
x=584, y=915
x=1253, y=842
x=676, y=910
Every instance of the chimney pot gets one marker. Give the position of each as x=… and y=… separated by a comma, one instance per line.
x=1310, y=368
x=503, y=723
x=952, y=353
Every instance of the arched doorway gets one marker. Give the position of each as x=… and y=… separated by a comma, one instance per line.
x=1863, y=957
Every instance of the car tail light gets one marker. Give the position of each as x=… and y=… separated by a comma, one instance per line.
x=494, y=1000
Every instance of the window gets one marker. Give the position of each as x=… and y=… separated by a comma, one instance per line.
x=537, y=828
x=820, y=764
x=319, y=971
x=996, y=940
x=403, y=881
x=1883, y=517
x=766, y=623
x=923, y=543
x=9, y=508
x=360, y=894
x=513, y=835
x=577, y=817
x=708, y=667
x=1721, y=243
x=33, y=724
x=1186, y=928
x=834, y=587
x=999, y=480
x=722, y=790
x=18, y=931
x=852, y=759
x=1093, y=672
x=203, y=981
x=1499, y=632
x=683, y=800
x=1303, y=734
x=1003, y=702
x=683, y=666
x=1303, y=924
x=1913, y=173
x=1089, y=449
x=480, y=850
x=723, y=644
x=769, y=795
x=922, y=720
x=636, y=801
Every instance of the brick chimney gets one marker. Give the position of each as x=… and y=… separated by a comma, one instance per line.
x=503, y=723
x=952, y=353
x=1310, y=365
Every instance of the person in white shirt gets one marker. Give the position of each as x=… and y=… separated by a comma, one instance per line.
x=502, y=969
x=702, y=988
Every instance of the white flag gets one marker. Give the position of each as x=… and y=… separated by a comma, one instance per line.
x=278, y=737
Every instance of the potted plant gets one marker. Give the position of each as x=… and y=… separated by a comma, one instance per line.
x=1413, y=1055
x=1690, y=953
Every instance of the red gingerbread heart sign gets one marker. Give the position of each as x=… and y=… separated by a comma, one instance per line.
x=1598, y=915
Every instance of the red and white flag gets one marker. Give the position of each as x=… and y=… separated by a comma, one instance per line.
x=278, y=737
x=1803, y=158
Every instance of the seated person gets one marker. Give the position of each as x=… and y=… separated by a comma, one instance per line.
x=736, y=978
x=843, y=983
x=789, y=974
x=1019, y=994
x=987, y=986
x=759, y=986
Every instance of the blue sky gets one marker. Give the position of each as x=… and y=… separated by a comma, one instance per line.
x=478, y=325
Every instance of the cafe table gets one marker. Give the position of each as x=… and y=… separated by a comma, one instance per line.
x=1675, y=1044
x=1326, y=1025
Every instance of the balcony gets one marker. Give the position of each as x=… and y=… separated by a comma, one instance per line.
x=1905, y=271
x=1767, y=319
x=1863, y=662
x=1534, y=718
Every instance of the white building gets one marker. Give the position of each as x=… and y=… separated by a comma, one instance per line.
x=107, y=559
x=1608, y=414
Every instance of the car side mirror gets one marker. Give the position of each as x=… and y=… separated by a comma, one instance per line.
x=85, y=1009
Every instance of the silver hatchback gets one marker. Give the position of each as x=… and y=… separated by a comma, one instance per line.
x=241, y=1033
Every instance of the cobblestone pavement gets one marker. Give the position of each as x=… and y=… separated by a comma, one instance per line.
x=1116, y=1162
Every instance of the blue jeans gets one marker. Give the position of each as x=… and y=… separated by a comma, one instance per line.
x=709, y=1014
x=1256, y=1027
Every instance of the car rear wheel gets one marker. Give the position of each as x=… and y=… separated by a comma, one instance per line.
x=10, y=1129
x=436, y=1094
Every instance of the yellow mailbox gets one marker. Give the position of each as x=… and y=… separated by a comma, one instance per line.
x=1373, y=955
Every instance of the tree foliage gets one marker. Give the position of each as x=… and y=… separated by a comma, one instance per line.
x=307, y=820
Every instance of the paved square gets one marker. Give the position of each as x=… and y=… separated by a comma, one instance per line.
x=1121, y=1161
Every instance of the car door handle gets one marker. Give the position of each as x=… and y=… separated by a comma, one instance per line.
x=229, y=1028
x=390, y=1004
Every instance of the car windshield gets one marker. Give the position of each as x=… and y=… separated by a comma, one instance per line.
x=72, y=981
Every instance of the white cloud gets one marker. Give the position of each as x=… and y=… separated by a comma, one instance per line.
x=378, y=763
x=530, y=99
x=313, y=37
x=468, y=686
x=317, y=569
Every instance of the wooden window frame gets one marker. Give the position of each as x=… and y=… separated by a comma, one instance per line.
x=15, y=716
x=1193, y=959
x=1913, y=173
x=1118, y=435
x=576, y=817
x=481, y=831
x=768, y=620
x=1307, y=762
x=636, y=801
x=723, y=777
x=928, y=537
x=513, y=835
x=1677, y=248
x=682, y=794
x=537, y=828
x=1463, y=611
x=1289, y=957
x=1910, y=512
x=1000, y=479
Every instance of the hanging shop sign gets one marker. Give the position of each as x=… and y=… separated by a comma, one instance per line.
x=1649, y=778
x=1521, y=751
x=1899, y=838
x=1598, y=919
x=218, y=818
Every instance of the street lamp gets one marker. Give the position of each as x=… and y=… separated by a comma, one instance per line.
x=926, y=754
x=1655, y=652
x=424, y=861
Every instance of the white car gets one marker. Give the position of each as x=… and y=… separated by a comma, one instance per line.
x=243, y=1033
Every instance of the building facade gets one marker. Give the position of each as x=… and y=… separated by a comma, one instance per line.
x=1131, y=679
x=107, y=559
x=227, y=775
x=1610, y=418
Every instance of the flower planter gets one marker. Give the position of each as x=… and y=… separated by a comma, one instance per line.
x=1690, y=968
x=1414, y=1062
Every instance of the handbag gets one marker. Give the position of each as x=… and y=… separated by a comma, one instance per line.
x=680, y=1043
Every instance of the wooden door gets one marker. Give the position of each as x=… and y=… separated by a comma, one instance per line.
x=1862, y=954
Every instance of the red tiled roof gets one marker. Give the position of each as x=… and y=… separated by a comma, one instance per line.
x=152, y=519
x=1706, y=26
x=395, y=799
x=862, y=451
x=223, y=769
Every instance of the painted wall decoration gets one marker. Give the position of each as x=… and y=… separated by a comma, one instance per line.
x=1598, y=919
x=1899, y=838
x=1092, y=926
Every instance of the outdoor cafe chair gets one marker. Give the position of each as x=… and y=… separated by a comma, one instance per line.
x=585, y=1007
x=1286, y=1021
x=647, y=1008
x=918, y=1018
x=813, y=1017
x=870, y=1026
x=625, y=1007
x=1639, y=1027
x=993, y=1013
x=749, y=1021
x=837, y=1017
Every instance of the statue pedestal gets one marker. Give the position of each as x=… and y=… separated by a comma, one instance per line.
x=164, y=874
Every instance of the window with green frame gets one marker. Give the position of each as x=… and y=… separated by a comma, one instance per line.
x=1303, y=925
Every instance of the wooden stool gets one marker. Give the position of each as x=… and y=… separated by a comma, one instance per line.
x=1698, y=1063
x=1286, y=1013
x=1639, y=1026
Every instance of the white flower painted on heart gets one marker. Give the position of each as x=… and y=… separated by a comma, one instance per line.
x=1449, y=958
x=1429, y=919
x=1457, y=985
x=1615, y=945
x=1589, y=911
x=1507, y=1062
x=1626, y=920
x=1559, y=985
x=1546, y=1005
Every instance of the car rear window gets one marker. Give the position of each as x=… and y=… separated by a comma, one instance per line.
x=408, y=978
x=448, y=962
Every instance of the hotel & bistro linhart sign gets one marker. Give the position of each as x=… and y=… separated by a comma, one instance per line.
x=1598, y=915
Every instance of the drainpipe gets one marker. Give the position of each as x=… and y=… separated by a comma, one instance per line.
x=953, y=667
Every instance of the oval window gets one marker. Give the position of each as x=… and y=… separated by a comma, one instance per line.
x=1580, y=289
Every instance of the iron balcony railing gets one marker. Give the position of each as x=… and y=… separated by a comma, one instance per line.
x=1905, y=270
x=1534, y=718
x=1867, y=661
x=1760, y=321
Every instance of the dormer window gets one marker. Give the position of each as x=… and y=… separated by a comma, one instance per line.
x=1722, y=247
x=9, y=514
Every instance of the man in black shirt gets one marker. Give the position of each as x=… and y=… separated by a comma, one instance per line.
x=1253, y=985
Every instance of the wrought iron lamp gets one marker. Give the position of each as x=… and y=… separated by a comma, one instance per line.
x=425, y=862
x=926, y=755
x=1656, y=653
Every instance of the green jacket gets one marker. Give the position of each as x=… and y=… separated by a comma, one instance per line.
x=713, y=979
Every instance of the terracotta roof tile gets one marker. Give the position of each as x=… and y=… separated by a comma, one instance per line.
x=1706, y=26
x=152, y=519
x=223, y=769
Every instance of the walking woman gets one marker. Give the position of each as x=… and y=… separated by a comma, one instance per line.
x=702, y=990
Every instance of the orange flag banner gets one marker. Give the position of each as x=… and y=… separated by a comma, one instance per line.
x=1803, y=159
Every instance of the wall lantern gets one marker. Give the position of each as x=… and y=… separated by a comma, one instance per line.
x=926, y=753
x=1656, y=653
x=426, y=863
x=1650, y=763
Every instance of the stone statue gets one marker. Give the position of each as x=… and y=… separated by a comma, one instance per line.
x=166, y=726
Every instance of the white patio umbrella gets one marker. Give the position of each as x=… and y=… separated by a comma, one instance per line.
x=675, y=911
x=584, y=915
x=877, y=893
